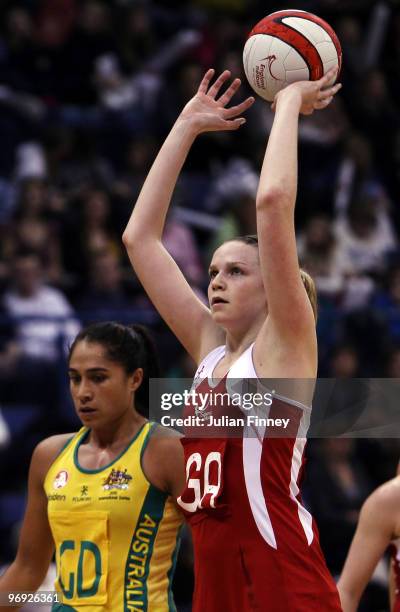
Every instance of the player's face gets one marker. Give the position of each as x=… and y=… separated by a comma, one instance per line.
x=101, y=390
x=236, y=291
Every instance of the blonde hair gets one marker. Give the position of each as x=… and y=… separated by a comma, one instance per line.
x=311, y=290
x=309, y=285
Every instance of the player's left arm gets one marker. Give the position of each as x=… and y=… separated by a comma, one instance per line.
x=374, y=532
x=289, y=310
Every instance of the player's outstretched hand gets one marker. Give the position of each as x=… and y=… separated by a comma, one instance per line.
x=312, y=95
x=207, y=111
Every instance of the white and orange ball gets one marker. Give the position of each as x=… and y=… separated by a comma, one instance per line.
x=289, y=46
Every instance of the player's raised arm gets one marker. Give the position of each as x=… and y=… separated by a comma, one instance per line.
x=289, y=311
x=36, y=546
x=376, y=528
x=188, y=318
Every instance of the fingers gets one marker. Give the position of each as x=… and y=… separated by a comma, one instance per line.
x=234, y=124
x=228, y=117
x=206, y=81
x=239, y=109
x=227, y=126
x=214, y=89
x=323, y=103
x=326, y=96
x=329, y=92
x=226, y=97
x=329, y=77
x=230, y=92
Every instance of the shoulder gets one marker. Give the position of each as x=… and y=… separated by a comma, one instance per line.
x=385, y=496
x=164, y=439
x=47, y=451
x=53, y=445
x=382, y=507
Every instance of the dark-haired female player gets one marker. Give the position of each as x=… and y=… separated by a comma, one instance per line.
x=255, y=545
x=102, y=499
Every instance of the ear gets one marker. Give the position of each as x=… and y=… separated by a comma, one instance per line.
x=136, y=379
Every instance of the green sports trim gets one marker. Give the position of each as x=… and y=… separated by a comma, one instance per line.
x=64, y=446
x=171, y=571
x=152, y=427
x=141, y=549
x=105, y=467
x=62, y=449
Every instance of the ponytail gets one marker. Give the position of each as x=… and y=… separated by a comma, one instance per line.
x=151, y=368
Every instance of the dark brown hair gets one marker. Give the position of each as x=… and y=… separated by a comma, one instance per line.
x=130, y=346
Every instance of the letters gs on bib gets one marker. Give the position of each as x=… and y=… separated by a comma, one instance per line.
x=289, y=46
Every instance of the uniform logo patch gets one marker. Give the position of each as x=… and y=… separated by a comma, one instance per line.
x=117, y=479
x=84, y=495
x=61, y=479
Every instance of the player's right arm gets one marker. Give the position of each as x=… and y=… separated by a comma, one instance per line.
x=376, y=528
x=186, y=315
x=289, y=330
x=36, y=547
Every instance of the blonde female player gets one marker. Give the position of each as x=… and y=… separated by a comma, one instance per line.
x=378, y=528
x=102, y=499
x=255, y=545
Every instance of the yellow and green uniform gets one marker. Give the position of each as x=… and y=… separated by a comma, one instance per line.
x=116, y=535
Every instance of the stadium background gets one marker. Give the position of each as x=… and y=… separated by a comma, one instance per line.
x=88, y=91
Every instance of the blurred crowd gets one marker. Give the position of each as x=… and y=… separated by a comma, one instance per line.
x=88, y=92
